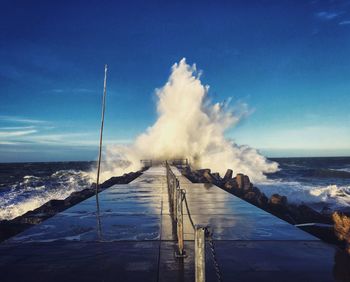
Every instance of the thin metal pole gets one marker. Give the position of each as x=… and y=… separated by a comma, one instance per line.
x=100, y=150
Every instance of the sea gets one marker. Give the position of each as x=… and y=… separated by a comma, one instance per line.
x=322, y=183
x=27, y=186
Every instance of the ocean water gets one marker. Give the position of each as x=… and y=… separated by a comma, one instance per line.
x=322, y=183
x=318, y=182
x=27, y=186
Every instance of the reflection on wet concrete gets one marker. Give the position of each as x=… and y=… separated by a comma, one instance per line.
x=137, y=240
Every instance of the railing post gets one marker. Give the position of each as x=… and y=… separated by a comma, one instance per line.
x=179, y=222
x=199, y=250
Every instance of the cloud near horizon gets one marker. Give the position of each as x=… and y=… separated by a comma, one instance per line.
x=19, y=119
x=37, y=132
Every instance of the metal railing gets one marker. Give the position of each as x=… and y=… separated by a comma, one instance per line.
x=177, y=197
x=146, y=163
x=179, y=162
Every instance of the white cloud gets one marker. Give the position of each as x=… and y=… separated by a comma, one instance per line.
x=36, y=132
x=324, y=15
x=6, y=134
x=71, y=90
x=345, y=22
x=21, y=120
x=17, y=127
x=8, y=143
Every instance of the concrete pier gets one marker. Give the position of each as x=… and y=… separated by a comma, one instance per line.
x=137, y=240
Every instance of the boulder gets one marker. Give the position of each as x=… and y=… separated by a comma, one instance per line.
x=305, y=214
x=246, y=182
x=277, y=205
x=254, y=196
x=9, y=228
x=207, y=175
x=228, y=175
x=320, y=230
x=278, y=200
x=199, y=176
x=243, y=181
x=230, y=184
x=216, y=177
x=239, y=180
x=342, y=229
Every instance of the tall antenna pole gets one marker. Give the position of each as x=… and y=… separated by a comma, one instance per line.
x=100, y=150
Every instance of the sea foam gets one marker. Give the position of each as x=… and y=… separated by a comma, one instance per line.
x=34, y=191
x=318, y=196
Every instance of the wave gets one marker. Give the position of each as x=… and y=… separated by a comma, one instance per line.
x=327, y=173
x=346, y=169
x=318, y=196
x=34, y=191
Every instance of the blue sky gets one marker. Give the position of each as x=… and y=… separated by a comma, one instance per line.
x=288, y=60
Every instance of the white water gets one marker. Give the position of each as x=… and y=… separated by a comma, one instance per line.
x=34, y=191
x=332, y=196
x=190, y=126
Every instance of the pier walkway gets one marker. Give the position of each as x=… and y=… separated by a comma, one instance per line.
x=137, y=242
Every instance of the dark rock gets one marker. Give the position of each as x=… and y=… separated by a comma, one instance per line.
x=54, y=204
x=207, y=175
x=228, y=175
x=254, y=196
x=202, y=171
x=196, y=176
x=304, y=214
x=243, y=181
x=277, y=205
x=9, y=228
x=230, y=184
x=323, y=231
x=278, y=200
x=216, y=177
x=239, y=180
x=246, y=182
x=33, y=220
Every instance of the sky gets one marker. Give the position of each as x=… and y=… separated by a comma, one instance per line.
x=289, y=61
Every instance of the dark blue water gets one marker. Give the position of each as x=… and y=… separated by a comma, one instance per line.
x=318, y=182
x=26, y=186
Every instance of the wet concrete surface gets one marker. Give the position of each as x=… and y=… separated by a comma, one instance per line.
x=136, y=242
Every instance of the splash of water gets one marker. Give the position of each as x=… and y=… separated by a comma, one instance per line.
x=315, y=195
x=32, y=192
x=190, y=126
